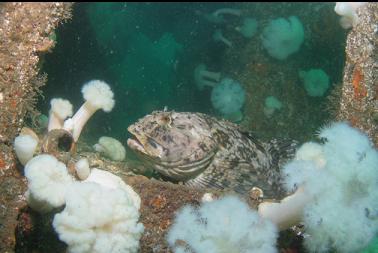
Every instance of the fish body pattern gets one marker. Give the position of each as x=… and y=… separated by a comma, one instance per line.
x=203, y=151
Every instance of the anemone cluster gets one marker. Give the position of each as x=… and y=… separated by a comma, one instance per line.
x=335, y=191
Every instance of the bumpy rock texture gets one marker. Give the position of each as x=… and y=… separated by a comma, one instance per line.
x=359, y=99
x=26, y=31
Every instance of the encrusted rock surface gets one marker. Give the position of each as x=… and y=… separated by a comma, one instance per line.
x=25, y=35
x=359, y=96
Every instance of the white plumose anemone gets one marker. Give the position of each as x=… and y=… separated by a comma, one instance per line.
x=222, y=226
x=348, y=12
x=218, y=36
x=111, y=148
x=82, y=169
x=101, y=216
x=98, y=95
x=48, y=181
x=336, y=191
x=60, y=110
x=25, y=147
x=283, y=37
x=228, y=97
x=204, y=77
x=249, y=27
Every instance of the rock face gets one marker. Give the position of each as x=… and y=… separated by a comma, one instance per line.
x=26, y=31
x=160, y=201
x=359, y=99
x=12, y=188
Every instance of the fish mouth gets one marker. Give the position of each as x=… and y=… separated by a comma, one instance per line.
x=146, y=146
x=135, y=144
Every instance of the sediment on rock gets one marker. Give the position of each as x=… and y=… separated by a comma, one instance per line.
x=26, y=31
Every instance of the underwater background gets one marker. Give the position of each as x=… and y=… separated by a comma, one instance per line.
x=148, y=53
x=277, y=70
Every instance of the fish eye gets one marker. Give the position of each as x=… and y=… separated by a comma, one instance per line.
x=166, y=120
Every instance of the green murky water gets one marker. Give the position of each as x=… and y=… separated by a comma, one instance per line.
x=148, y=53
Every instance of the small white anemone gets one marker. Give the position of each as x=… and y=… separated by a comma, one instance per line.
x=316, y=82
x=271, y=105
x=111, y=148
x=228, y=98
x=348, y=12
x=98, y=95
x=25, y=147
x=283, y=37
x=60, y=110
x=249, y=27
x=82, y=169
x=218, y=36
x=203, y=77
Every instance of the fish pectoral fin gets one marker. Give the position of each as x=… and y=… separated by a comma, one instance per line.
x=205, y=181
x=215, y=176
x=212, y=177
x=236, y=175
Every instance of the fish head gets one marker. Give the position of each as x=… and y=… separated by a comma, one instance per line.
x=178, y=145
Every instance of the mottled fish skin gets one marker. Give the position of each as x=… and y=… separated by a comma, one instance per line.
x=203, y=151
